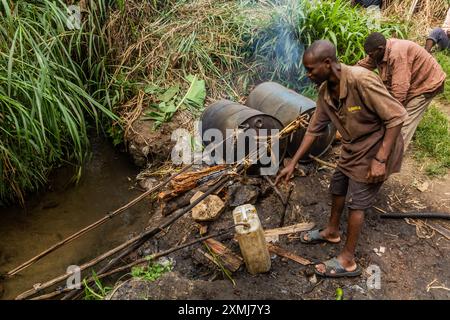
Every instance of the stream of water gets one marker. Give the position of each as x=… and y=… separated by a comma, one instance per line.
x=63, y=209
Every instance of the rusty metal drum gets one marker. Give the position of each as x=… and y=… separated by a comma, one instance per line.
x=226, y=115
x=286, y=105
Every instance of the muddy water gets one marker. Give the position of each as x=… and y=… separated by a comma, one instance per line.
x=62, y=209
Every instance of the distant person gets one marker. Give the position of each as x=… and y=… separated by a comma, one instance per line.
x=410, y=74
x=370, y=120
x=439, y=36
x=367, y=3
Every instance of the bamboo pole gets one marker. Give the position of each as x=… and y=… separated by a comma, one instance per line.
x=134, y=263
x=325, y=163
x=93, y=225
x=140, y=239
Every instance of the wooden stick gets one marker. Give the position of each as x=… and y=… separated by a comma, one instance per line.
x=92, y=226
x=179, y=213
x=142, y=238
x=134, y=263
x=416, y=215
x=289, y=229
x=325, y=163
x=411, y=9
x=286, y=254
x=274, y=187
x=286, y=205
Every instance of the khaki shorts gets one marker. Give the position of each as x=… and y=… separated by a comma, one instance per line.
x=361, y=196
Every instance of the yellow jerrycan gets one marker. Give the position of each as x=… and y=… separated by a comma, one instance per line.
x=251, y=239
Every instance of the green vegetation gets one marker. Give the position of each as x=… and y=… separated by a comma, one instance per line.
x=49, y=80
x=168, y=101
x=432, y=140
x=151, y=272
x=444, y=60
x=162, y=42
x=278, y=45
x=98, y=292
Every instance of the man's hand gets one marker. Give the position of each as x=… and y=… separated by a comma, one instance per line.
x=287, y=173
x=448, y=33
x=377, y=172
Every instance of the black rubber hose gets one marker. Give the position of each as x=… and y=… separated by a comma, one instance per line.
x=416, y=215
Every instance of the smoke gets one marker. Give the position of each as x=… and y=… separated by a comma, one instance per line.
x=277, y=47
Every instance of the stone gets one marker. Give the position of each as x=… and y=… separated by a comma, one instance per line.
x=240, y=194
x=207, y=210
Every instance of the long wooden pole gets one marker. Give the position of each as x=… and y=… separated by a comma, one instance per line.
x=93, y=225
x=132, y=264
x=140, y=239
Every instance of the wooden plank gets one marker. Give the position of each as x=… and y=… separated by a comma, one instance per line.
x=440, y=229
x=229, y=259
x=272, y=234
x=286, y=254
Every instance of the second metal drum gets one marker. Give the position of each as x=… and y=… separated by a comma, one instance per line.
x=286, y=105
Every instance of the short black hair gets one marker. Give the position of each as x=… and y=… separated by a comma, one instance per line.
x=373, y=41
x=322, y=49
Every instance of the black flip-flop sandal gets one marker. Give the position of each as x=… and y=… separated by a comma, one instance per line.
x=314, y=237
x=339, y=270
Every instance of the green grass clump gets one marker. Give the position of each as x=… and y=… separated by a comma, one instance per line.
x=151, y=272
x=49, y=80
x=444, y=60
x=432, y=140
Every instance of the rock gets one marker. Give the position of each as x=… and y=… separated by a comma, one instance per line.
x=167, y=262
x=240, y=194
x=207, y=210
x=358, y=289
x=313, y=279
x=148, y=183
x=423, y=186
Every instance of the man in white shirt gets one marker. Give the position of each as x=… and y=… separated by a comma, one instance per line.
x=440, y=36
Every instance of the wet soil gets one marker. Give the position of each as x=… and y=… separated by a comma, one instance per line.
x=413, y=258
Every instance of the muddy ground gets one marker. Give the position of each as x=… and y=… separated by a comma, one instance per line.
x=415, y=255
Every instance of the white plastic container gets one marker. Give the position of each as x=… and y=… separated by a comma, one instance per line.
x=251, y=239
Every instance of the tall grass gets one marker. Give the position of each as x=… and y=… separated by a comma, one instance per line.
x=161, y=42
x=432, y=140
x=48, y=79
x=278, y=45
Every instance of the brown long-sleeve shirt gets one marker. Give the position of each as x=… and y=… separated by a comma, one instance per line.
x=407, y=70
x=364, y=112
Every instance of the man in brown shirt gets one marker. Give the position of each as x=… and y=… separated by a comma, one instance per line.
x=369, y=120
x=409, y=73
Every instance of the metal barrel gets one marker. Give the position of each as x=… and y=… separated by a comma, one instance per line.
x=225, y=114
x=286, y=105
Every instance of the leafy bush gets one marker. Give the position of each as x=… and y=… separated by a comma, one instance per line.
x=432, y=140
x=47, y=72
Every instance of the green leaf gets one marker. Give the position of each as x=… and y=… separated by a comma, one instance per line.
x=170, y=107
x=151, y=89
x=170, y=93
x=197, y=92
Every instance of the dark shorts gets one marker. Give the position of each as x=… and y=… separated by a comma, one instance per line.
x=361, y=195
x=439, y=37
